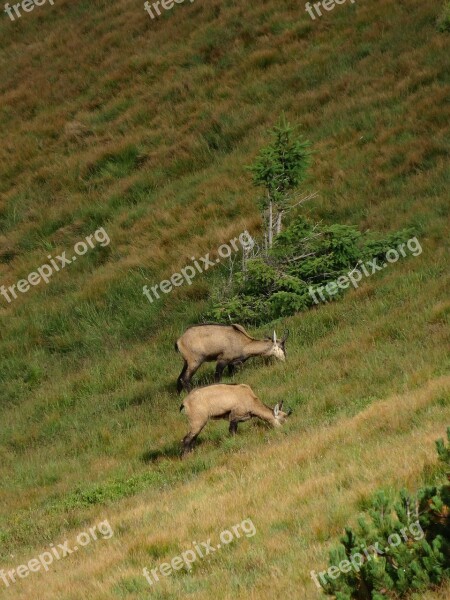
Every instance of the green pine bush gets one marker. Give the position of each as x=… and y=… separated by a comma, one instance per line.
x=276, y=284
x=413, y=534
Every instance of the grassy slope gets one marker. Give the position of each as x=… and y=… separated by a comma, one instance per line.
x=110, y=119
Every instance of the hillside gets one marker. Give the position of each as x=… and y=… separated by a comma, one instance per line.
x=143, y=127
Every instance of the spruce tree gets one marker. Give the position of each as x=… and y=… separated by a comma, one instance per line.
x=280, y=167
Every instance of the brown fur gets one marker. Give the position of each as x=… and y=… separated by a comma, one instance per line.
x=234, y=403
x=229, y=345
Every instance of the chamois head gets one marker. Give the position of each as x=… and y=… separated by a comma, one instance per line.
x=278, y=348
x=280, y=416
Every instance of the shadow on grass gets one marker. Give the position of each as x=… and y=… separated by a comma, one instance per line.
x=171, y=389
x=172, y=450
x=198, y=381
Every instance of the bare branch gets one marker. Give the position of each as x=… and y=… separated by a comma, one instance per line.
x=310, y=196
x=300, y=257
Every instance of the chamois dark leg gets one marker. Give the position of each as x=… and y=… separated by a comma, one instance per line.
x=233, y=427
x=231, y=369
x=189, y=373
x=219, y=370
x=180, y=378
x=189, y=440
x=187, y=444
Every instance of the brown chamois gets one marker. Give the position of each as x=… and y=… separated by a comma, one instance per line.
x=229, y=345
x=234, y=403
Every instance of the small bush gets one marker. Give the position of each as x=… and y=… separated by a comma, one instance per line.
x=443, y=22
x=412, y=536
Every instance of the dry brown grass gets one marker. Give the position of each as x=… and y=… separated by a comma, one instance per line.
x=312, y=480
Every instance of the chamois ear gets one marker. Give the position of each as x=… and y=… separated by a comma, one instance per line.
x=285, y=336
x=274, y=337
x=276, y=410
x=280, y=405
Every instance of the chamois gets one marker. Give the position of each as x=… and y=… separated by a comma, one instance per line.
x=232, y=402
x=229, y=345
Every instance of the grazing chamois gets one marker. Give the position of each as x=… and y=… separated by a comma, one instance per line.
x=229, y=345
x=233, y=402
